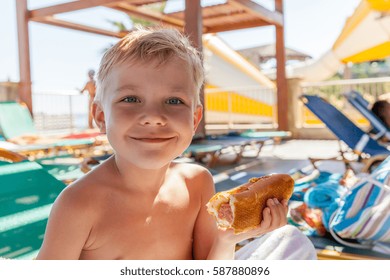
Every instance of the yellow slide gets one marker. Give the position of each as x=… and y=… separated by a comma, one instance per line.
x=365, y=37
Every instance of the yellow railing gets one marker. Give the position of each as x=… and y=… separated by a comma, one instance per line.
x=240, y=106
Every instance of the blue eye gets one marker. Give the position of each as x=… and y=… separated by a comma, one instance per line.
x=131, y=99
x=174, y=101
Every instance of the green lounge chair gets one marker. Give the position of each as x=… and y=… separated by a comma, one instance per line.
x=15, y=120
x=27, y=192
x=214, y=147
x=65, y=168
x=17, y=126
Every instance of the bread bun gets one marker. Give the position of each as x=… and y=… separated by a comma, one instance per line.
x=241, y=208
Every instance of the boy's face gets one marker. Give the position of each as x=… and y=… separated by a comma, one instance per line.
x=149, y=112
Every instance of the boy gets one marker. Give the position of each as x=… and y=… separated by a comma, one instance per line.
x=139, y=204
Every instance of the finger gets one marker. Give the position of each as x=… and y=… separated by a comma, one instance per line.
x=282, y=214
x=270, y=202
x=266, y=222
x=285, y=204
x=275, y=213
x=281, y=205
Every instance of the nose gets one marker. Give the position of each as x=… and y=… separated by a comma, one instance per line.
x=153, y=117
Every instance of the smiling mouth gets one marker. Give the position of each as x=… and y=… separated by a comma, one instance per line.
x=153, y=140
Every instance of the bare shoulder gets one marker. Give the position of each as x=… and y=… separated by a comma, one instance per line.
x=72, y=217
x=191, y=170
x=77, y=197
x=196, y=176
x=86, y=192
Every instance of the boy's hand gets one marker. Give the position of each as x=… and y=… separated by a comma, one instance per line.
x=274, y=216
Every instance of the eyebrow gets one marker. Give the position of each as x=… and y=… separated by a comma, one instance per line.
x=131, y=87
x=126, y=87
x=179, y=89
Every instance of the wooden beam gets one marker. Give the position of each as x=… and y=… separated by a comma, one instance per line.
x=193, y=22
x=236, y=17
x=281, y=81
x=147, y=14
x=67, y=7
x=24, y=54
x=234, y=26
x=194, y=29
x=66, y=24
x=272, y=17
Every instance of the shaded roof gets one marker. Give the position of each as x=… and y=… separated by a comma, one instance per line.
x=231, y=15
x=194, y=21
x=263, y=53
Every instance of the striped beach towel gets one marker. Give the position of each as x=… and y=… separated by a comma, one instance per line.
x=364, y=212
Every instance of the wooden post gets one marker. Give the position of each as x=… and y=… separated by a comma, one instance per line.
x=24, y=53
x=193, y=28
x=281, y=82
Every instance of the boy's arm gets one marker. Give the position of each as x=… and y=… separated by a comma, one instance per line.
x=205, y=228
x=212, y=243
x=68, y=227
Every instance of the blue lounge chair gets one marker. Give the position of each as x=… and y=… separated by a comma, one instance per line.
x=27, y=193
x=362, y=145
x=363, y=106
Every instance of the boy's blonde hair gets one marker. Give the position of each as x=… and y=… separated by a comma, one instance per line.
x=150, y=44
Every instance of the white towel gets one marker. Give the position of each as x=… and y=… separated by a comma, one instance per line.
x=285, y=243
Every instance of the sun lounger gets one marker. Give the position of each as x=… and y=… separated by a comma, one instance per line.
x=214, y=148
x=10, y=156
x=17, y=129
x=362, y=105
x=27, y=192
x=329, y=249
x=240, y=142
x=203, y=152
x=66, y=168
x=360, y=143
x=276, y=136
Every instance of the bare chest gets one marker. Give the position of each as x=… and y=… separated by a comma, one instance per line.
x=133, y=228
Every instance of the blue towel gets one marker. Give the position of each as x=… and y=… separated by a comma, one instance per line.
x=301, y=188
x=323, y=195
x=327, y=214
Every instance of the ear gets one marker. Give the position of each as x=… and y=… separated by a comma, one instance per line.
x=198, y=114
x=98, y=115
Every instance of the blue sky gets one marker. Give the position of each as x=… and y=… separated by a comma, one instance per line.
x=60, y=58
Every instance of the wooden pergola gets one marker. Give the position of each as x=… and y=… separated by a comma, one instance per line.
x=194, y=21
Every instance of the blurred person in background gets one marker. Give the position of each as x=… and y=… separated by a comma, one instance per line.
x=90, y=86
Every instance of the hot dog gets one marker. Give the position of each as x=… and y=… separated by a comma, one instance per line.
x=241, y=208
